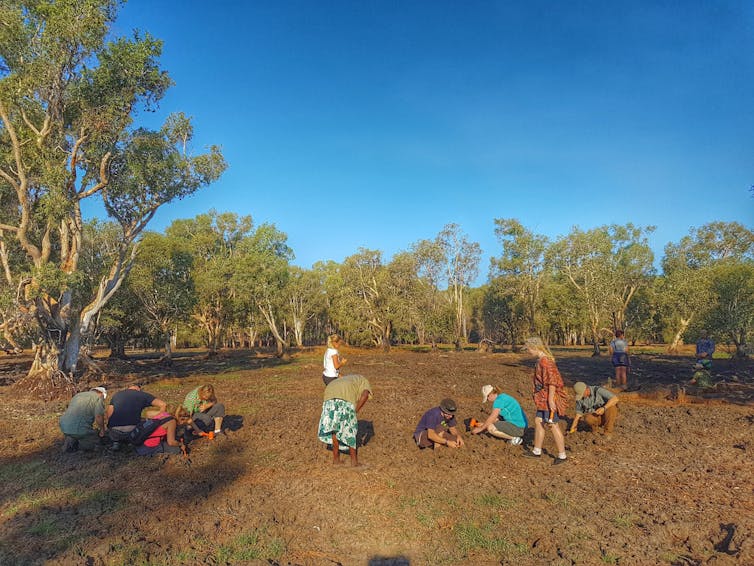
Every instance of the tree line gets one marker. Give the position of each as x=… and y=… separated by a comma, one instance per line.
x=69, y=97
x=219, y=281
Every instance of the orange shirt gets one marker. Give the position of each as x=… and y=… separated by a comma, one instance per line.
x=546, y=374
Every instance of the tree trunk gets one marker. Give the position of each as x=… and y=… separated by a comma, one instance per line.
x=168, y=357
x=673, y=348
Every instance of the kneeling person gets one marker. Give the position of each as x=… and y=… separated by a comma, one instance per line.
x=438, y=426
x=206, y=413
x=86, y=408
x=507, y=419
x=596, y=405
x=163, y=439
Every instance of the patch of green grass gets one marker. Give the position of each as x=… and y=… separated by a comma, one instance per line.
x=608, y=558
x=495, y=501
x=43, y=528
x=471, y=537
x=26, y=474
x=624, y=520
x=557, y=499
x=250, y=546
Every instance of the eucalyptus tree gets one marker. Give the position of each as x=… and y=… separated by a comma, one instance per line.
x=732, y=286
x=161, y=279
x=606, y=265
x=305, y=297
x=261, y=275
x=523, y=262
x=213, y=240
x=67, y=102
x=686, y=286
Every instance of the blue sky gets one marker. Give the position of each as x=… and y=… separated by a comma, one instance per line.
x=373, y=124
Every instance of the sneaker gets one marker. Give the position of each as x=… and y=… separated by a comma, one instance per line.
x=559, y=461
x=516, y=441
x=70, y=444
x=529, y=454
x=115, y=446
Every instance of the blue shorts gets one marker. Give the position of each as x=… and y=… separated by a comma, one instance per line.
x=544, y=415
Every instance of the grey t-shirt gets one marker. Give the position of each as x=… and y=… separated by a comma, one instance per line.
x=597, y=398
x=79, y=415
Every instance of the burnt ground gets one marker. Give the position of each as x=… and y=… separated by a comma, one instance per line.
x=672, y=486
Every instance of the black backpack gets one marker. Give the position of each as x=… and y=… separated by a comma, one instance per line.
x=144, y=430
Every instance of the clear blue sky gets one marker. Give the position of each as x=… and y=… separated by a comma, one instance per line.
x=376, y=123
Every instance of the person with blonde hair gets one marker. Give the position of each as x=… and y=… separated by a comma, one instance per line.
x=163, y=439
x=549, y=398
x=507, y=419
x=332, y=361
x=206, y=413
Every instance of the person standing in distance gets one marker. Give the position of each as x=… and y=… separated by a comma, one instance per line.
x=332, y=361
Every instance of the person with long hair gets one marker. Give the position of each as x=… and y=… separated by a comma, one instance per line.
x=549, y=399
x=163, y=440
x=332, y=361
x=206, y=412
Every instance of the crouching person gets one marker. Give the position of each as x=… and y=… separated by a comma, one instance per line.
x=84, y=410
x=338, y=425
x=124, y=412
x=507, y=420
x=206, y=413
x=163, y=438
x=596, y=405
x=438, y=427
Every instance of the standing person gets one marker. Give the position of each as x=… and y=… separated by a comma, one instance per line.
x=338, y=425
x=438, y=427
x=597, y=406
x=621, y=362
x=124, y=412
x=705, y=347
x=507, y=419
x=86, y=408
x=163, y=440
x=206, y=413
x=332, y=361
x=549, y=399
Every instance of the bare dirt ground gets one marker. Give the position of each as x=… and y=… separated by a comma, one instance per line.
x=673, y=485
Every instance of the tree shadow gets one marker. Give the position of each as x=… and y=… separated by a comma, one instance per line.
x=57, y=504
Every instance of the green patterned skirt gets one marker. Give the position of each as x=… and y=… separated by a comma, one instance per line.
x=339, y=417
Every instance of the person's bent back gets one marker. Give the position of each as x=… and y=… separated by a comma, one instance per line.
x=124, y=412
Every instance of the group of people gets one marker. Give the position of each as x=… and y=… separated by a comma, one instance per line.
x=345, y=396
x=88, y=422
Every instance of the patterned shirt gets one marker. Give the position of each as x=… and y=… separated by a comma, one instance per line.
x=546, y=374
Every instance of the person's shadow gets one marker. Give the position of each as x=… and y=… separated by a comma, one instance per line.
x=365, y=433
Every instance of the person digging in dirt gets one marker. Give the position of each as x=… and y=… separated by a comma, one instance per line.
x=620, y=359
x=549, y=399
x=338, y=425
x=164, y=439
x=206, y=413
x=124, y=412
x=705, y=347
x=438, y=427
x=332, y=361
x=597, y=406
x=507, y=419
x=86, y=408
x=702, y=377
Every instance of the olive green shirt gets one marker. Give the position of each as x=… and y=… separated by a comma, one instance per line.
x=349, y=388
x=79, y=416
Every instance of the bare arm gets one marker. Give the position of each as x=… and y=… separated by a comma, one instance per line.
x=160, y=404
x=170, y=438
x=610, y=403
x=494, y=415
x=99, y=420
x=575, y=422
x=109, y=411
x=337, y=361
x=363, y=399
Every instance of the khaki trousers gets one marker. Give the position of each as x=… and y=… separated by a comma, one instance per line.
x=606, y=419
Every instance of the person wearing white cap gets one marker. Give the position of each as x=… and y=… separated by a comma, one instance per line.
x=84, y=410
x=507, y=420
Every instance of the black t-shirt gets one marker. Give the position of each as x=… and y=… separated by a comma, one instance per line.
x=127, y=407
